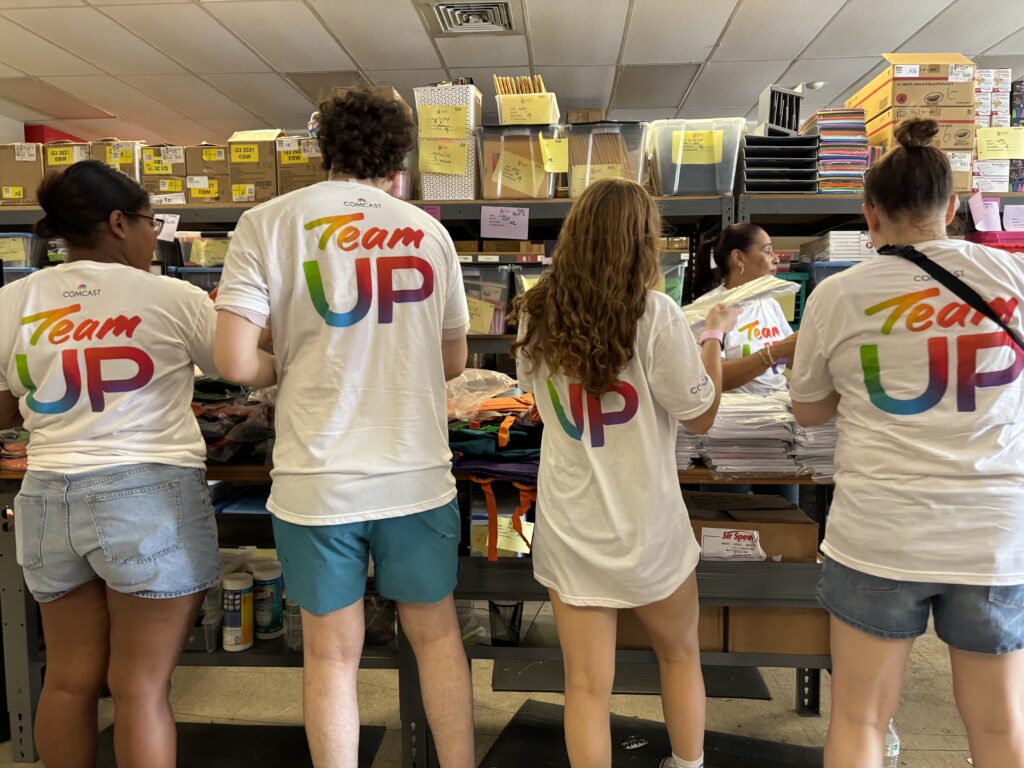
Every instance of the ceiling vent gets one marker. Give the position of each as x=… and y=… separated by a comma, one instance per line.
x=487, y=17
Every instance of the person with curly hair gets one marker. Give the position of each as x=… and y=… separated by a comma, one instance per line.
x=615, y=368
x=369, y=315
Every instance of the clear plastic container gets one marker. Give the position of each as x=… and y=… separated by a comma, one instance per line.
x=16, y=249
x=489, y=295
x=696, y=157
x=605, y=150
x=512, y=163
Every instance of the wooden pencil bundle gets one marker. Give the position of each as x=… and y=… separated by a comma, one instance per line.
x=587, y=148
x=514, y=86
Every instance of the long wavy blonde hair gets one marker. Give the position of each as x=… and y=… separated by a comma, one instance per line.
x=582, y=315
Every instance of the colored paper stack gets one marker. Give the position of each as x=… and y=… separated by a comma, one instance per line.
x=751, y=436
x=842, y=151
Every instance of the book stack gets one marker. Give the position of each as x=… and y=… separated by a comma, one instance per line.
x=838, y=246
x=751, y=436
x=842, y=149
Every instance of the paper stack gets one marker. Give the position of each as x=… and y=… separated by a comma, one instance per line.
x=688, y=448
x=752, y=436
x=814, y=449
x=842, y=151
x=838, y=246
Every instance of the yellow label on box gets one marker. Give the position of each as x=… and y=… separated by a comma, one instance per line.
x=243, y=193
x=697, y=147
x=481, y=315
x=213, y=155
x=1001, y=143
x=449, y=156
x=597, y=172
x=208, y=192
x=526, y=109
x=245, y=153
x=442, y=122
x=292, y=157
x=556, y=154
x=118, y=156
x=156, y=168
x=12, y=193
x=509, y=538
x=60, y=155
x=171, y=185
x=518, y=174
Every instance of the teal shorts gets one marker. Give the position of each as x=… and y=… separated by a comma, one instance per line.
x=415, y=559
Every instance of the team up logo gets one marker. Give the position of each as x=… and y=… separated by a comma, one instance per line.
x=918, y=315
x=756, y=332
x=348, y=238
x=58, y=328
x=597, y=418
x=81, y=291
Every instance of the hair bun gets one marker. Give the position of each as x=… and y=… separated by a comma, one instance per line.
x=916, y=132
x=46, y=228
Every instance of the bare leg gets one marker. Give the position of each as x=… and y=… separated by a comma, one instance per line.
x=671, y=625
x=867, y=677
x=988, y=695
x=434, y=635
x=146, y=638
x=332, y=646
x=76, y=629
x=587, y=637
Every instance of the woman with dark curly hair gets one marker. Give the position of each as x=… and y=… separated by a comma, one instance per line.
x=615, y=368
x=369, y=315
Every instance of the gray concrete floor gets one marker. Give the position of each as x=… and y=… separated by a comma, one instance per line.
x=928, y=723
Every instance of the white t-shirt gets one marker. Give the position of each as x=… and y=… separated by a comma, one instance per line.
x=612, y=529
x=102, y=357
x=759, y=325
x=359, y=288
x=930, y=481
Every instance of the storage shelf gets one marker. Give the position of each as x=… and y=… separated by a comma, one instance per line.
x=490, y=344
x=276, y=653
x=711, y=659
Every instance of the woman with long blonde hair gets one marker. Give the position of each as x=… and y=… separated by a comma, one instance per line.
x=615, y=368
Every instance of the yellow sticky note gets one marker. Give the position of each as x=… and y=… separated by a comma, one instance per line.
x=597, y=172
x=697, y=147
x=510, y=540
x=1015, y=142
x=992, y=144
x=11, y=249
x=527, y=109
x=518, y=174
x=292, y=157
x=442, y=122
x=213, y=155
x=12, y=193
x=481, y=315
x=449, y=156
x=60, y=156
x=171, y=185
x=156, y=168
x=245, y=153
x=555, y=153
x=529, y=282
x=208, y=192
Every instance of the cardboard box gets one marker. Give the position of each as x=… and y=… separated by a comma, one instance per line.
x=918, y=80
x=956, y=126
x=584, y=115
x=631, y=635
x=962, y=163
x=386, y=91
x=992, y=168
x=512, y=246
x=58, y=155
x=299, y=163
x=123, y=155
x=1002, y=121
x=784, y=530
x=983, y=121
x=207, y=174
x=992, y=183
x=252, y=159
x=164, y=174
x=983, y=103
x=21, y=170
x=1001, y=104
x=778, y=630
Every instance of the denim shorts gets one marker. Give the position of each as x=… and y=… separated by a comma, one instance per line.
x=415, y=559
x=969, y=618
x=146, y=530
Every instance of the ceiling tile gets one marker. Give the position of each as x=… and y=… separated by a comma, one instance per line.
x=139, y=2
x=856, y=31
x=285, y=33
x=646, y=115
x=733, y=83
x=710, y=114
x=44, y=98
x=400, y=43
x=407, y=79
x=1012, y=44
x=96, y=38
x=76, y=131
x=837, y=74
x=189, y=95
x=576, y=32
x=483, y=80
x=484, y=51
x=6, y=71
x=20, y=112
x=35, y=56
x=1016, y=63
x=768, y=29
x=860, y=83
x=653, y=85
x=264, y=94
x=968, y=27
x=317, y=85
x=114, y=128
x=113, y=96
x=220, y=130
x=191, y=36
x=184, y=131
x=39, y=3
x=293, y=123
x=579, y=87
x=669, y=31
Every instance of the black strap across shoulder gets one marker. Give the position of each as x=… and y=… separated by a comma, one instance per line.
x=952, y=283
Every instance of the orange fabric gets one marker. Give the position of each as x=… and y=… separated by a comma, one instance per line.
x=517, y=404
x=527, y=497
x=503, y=430
x=492, y=516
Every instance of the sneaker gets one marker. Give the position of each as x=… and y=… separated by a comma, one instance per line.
x=668, y=762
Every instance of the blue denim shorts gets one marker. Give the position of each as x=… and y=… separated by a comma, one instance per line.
x=146, y=530
x=968, y=618
x=415, y=559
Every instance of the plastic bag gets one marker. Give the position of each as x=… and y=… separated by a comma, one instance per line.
x=766, y=287
x=469, y=391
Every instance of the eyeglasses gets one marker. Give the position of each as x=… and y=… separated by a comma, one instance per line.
x=157, y=224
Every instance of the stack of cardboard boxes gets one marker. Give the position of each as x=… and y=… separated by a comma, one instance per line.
x=936, y=86
x=208, y=177
x=1017, y=120
x=21, y=170
x=992, y=110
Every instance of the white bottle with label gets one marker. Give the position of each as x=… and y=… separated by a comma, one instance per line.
x=268, y=604
x=238, y=624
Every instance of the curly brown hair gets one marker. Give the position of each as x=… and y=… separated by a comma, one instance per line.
x=582, y=315
x=365, y=134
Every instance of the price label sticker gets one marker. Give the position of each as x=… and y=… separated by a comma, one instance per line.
x=906, y=71
x=310, y=148
x=12, y=193
x=173, y=155
x=170, y=185
x=25, y=153
x=213, y=155
x=961, y=73
x=288, y=144
x=197, y=182
x=243, y=193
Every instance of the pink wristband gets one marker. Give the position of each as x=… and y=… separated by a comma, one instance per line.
x=708, y=335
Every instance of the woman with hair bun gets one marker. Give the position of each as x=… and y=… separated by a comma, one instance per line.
x=928, y=516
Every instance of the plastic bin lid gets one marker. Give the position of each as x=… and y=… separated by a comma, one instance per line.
x=570, y=126
x=506, y=126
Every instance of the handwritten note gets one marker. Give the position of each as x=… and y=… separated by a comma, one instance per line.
x=442, y=122
x=555, y=153
x=1001, y=143
x=505, y=223
x=481, y=315
x=1013, y=218
x=697, y=147
x=509, y=539
x=519, y=174
x=170, y=226
x=448, y=156
x=985, y=213
x=583, y=176
x=528, y=109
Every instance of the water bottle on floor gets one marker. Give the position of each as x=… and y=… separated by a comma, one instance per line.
x=892, y=747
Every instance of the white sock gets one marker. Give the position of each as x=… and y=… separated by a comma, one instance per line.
x=680, y=763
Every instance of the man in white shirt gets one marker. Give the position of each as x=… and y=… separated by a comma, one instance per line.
x=369, y=316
